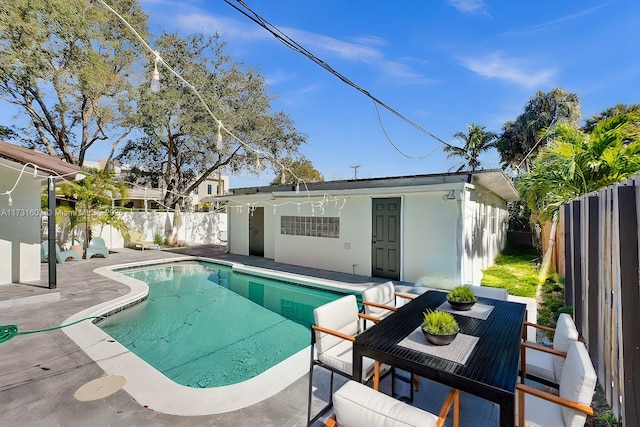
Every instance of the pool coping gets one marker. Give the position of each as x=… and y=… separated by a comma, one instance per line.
x=149, y=387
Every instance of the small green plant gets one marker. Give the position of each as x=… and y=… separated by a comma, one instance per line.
x=158, y=239
x=439, y=323
x=461, y=294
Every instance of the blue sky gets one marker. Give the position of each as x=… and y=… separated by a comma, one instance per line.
x=441, y=63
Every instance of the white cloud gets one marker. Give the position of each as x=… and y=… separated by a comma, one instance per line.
x=498, y=67
x=226, y=27
x=468, y=6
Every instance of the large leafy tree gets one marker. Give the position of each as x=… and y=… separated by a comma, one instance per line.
x=522, y=138
x=68, y=66
x=576, y=163
x=180, y=136
x=476, y=141
x=592, y=121
x=298, y=171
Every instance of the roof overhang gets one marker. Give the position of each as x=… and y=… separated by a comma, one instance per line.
x=43, y=164
x=493, y=180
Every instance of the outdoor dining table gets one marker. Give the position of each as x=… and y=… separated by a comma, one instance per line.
x=490, y=370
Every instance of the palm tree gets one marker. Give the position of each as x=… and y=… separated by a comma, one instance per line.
x=476, y=141
x=93, y=193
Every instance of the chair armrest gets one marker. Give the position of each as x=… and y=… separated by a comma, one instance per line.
x=548, y=397
x=332, y=332
x=405, y=296
x=369, y=317
x=376, y=304
x=535, y=325
x=544, y=349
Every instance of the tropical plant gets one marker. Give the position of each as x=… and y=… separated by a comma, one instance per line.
x=94, y=192
x=576, y=163
x=180, y=142
x=438, y=322
x=461, y=294
x=67, y=65
x=476, y=141
x=522, y=138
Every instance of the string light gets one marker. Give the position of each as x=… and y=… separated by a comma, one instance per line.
x=155, y=77
x=219, y=144
x=10, y=201
x=282, y=178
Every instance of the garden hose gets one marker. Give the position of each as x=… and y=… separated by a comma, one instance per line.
x=9, y=331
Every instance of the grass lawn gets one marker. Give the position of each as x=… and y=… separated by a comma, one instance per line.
x=515, y=271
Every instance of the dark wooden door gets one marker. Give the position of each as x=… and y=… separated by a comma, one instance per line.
x=385, y=238
x=256, y=232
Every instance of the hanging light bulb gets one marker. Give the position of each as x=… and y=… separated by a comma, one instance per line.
x=155, y=77
x=258, y=164
x=219, y=144
x=10, y=201
x=35, y=171
x=298, y=187
x=282, y=180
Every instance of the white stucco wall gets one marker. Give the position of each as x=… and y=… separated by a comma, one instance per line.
x=351, y=251
x=238, y=226
x=432, y=233
x=197, y=227
x=19, y=228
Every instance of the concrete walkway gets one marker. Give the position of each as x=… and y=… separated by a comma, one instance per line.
x=40, y=372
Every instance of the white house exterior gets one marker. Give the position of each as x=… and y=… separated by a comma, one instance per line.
x=439, y=229
x=20, y=219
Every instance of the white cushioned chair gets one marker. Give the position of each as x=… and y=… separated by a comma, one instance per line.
x=543, y=364
x=379, y=301
x=356, y=405
x=571, y=406
x=336, y=325
x=489, y=292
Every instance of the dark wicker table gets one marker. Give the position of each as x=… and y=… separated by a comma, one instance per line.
x=490, y=372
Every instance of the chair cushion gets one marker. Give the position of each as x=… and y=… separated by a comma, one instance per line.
x=578, y=382
x=566, y=332
x=340, y=357
x=340, y=315
x=384, y=293
x=541, y=413
x=540, y=364
x=357, y=405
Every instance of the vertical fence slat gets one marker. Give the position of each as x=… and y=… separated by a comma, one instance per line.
x=593, y=313
x=576, y=293
x=630, y=295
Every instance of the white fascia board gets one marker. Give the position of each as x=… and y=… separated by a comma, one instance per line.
x=374, y=191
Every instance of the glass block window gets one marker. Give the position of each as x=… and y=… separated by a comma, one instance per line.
x=312, y=226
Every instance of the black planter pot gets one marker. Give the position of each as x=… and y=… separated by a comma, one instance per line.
x=439, y=339
x=461, y=306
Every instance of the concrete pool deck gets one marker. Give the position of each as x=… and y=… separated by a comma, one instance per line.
x=39, y=373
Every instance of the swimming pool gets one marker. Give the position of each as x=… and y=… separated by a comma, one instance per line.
x=202, y=325
x=154, y=390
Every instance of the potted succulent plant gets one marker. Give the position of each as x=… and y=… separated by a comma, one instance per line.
x=439, y=327
x=461, y=298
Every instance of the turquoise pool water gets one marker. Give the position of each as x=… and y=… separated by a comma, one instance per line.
x=206, y=326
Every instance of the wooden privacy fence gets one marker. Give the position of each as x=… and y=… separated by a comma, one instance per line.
x=603, y=286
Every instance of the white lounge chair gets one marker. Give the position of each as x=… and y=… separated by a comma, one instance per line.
x=61, y=256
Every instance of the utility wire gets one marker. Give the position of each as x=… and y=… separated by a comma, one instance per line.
x=292, y=44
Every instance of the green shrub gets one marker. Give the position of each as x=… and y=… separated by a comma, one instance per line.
x=158, y=239
x=439, y=323
x=461, y=294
